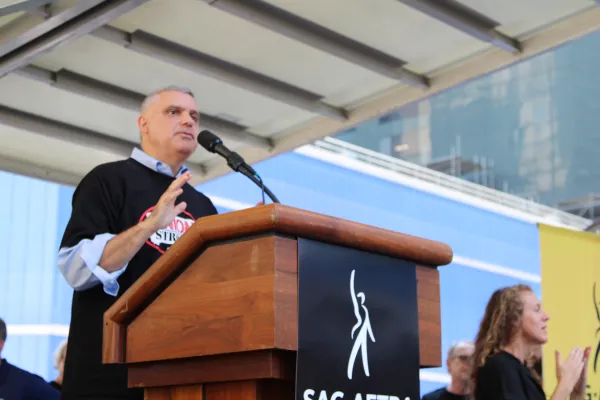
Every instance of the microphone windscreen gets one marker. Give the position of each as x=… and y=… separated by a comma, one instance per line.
x=208, y=140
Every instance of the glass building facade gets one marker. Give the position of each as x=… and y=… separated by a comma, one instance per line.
x=532, y=129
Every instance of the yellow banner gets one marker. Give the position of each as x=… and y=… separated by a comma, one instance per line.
x=570, y=264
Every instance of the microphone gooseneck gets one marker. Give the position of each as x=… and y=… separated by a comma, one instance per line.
x=214, y=144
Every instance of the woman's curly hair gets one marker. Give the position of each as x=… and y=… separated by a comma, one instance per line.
x=499, y=324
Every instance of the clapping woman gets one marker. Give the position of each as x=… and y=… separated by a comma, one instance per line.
x=515, y=325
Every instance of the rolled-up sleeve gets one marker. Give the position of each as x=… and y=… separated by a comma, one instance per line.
x=96, y=206
x=79, y=265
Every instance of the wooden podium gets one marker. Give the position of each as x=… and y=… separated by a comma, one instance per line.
x=216, y=316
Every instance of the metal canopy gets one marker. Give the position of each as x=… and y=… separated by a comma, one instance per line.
x=269, y=75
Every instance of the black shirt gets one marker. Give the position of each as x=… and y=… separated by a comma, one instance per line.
x=112, y=198
x=443, y=394
x=55, y=385
x=504, y=377
x=18, y=384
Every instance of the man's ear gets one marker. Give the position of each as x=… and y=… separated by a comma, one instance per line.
x=1, y=345
x=142, y=123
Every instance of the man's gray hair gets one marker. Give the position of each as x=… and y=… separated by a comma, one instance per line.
x=148, y=100
x=458, y=345
x=2, y=330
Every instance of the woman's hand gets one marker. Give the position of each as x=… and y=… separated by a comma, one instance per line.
x=570, y=372
x=581, y=385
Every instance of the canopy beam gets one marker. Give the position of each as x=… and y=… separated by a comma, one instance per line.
x=466, y=20
x=64, y=27
x=319, y=37
x=78, y=84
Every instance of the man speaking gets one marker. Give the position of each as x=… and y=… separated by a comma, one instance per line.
x=125, y=215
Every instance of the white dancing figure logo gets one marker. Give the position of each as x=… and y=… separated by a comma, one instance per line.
x=364, y=329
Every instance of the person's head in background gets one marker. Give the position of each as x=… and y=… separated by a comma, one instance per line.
x=59, y=361
x=459, y=363
x=3, y=334
x=515, y=322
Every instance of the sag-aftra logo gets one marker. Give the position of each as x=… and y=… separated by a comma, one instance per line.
x=361, y=332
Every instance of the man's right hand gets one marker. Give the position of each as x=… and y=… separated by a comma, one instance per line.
x=121, y=249
x=165, y=210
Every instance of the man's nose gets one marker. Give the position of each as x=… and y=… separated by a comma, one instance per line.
x=187, y=119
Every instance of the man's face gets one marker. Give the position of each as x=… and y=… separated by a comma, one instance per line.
x=170, y=124
x=459, y=366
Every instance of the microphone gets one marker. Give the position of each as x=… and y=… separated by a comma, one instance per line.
x=214, y=144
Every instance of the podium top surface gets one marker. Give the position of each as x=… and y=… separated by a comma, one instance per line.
x=274, y=218
x=277, y=218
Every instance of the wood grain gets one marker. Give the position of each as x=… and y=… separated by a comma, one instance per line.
x=241, y=297
x=243, y=390
x=160, y=393
x=246, y=390
x=224, y=302
x=191, y=392
x=264, y=364
x=251, y=390
x=272, y=218
x=286, y=294
x=428, y=296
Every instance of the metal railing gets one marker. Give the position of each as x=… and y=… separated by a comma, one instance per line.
x=450, y=182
